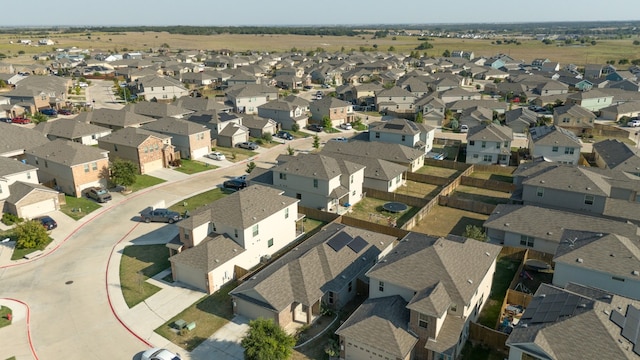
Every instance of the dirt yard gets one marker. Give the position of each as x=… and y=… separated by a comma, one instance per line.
x=444, y=220
x=418, y=189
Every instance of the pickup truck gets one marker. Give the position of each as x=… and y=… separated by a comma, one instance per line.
x=160, y=215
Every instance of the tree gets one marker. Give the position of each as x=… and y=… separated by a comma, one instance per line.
x=446, y=53
x=31, y=235
x=290, y=150
x=267, y=137
x=267, y=341
x=250, y=166
x=392, y=49
x=474, y=232
x=295, y=127
x=123, y=172
x=326, y=122
x=316, y=141
x=419, y=118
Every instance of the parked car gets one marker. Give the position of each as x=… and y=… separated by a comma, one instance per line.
x=340, y=139
x=248, y=145
x=326, y=86
x=6, y=120
x=159, y=354
x=634, y=123
x=160, y=215
x=440, y=156
x=315, y=127
x=47, y=222
x=216, y=155
x=284, y=135
x=64, y=112
x=49, y=112
x=464, y=128
x=235, y=184
x=21, y=120
x=308, y=87
x=346, y=126
x=98, y=194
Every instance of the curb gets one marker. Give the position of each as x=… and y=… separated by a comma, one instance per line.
x=28, y=319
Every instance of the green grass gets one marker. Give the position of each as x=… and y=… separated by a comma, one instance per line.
x=470, y=352
x=4, y=311
x=235, y=154
x=370, y=209
x=139, y=263
x=20, y=253
x=199, y=200
x=193, y=166
x=77, y=208
x=331, y=130
x=299, y=134
x=360, y=127
x=12, y=358
x=209, y=313
x=145, y=181
x=505, y=271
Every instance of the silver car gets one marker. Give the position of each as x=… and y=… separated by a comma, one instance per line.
x=159, y=354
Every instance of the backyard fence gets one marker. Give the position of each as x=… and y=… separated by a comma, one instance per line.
x=448, y=164
x=488, y=184
x=495, y=169
x=318, y=214
x=427, y=179
x=490, y=338
x=380, y=228
x=384, y=195
x=466, y=204
x=609, y=131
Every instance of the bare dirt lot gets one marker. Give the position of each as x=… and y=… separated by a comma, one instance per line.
x=444, y=220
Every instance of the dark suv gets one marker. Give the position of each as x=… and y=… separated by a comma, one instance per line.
x=315, y=127
x=235, y=184
x=49, y=112
x=47, y=222
x=285, y=135
x=98, y=194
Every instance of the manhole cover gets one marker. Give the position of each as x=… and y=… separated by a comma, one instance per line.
x=69, y=282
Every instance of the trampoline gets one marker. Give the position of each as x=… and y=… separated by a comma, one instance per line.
x=395, y=207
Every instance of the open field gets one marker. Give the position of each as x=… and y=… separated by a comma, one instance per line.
x=528, y=49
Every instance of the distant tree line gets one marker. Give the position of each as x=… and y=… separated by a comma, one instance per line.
x=214, y=30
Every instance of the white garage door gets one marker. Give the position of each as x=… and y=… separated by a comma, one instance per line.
x=198, y=153
x=153, y=165
x=191, y=277
x=252, y=311
x=37, y=209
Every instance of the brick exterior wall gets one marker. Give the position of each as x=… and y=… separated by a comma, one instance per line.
x=285, y=317
x=149, y=151
x=84, y=179
x=195, y=143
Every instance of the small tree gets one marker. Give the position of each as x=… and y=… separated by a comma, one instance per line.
x=31, y=235
x=316, y=141
x=474, y=232
x=419, y=119
x=290, y=150
x=267, y=137
x=250, y=166
x=123, y=172
x=267, y=341
x=295, y=127
x=326, y=122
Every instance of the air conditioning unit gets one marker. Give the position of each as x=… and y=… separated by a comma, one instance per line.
x=266, y=258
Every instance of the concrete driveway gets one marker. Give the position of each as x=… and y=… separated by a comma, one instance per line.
x=225, y=343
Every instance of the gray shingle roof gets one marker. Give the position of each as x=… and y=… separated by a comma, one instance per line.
x=111, y=117
x=571, y=179
x=319, y=166
x=381, y=324
x=9, y=166
x=618, y=155
x=175, y=126
x=156, y=109
x=69, y=128
x=391, y=152
x=14, y=138
x=21, y=189
x=68, y=152
x=554, y=136
x=433, y=301
x=213, y=251
x=399, y=126
x=132, y=137
x=491, y=132
x=374, y=168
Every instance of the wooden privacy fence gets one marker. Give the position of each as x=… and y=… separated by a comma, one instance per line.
x=424, y=211
x=318, y=214
x=488, y=184
x=496, y=169
x=380, y=228
x=448, y=164
x=466, y=204
x=407, y=199
x=427, y=179
x=490, y=338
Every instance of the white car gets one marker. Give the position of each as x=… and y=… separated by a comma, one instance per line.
x=346, y=126
x=464, y=128
x=340, y=139
x=159, y=354
x=634, y=123
x=216, y=155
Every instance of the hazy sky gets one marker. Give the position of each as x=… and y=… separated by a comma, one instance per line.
x=324, y=12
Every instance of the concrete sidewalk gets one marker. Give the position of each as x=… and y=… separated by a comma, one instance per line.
x=14, y=339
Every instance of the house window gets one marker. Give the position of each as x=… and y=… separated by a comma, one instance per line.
x=404, y=137
x=255, y=230
x=488, y=158
x=554, y=149
x=350, y=285
x=568, y=151
x=283, y=176
x=526, y=240
x=540, y=192
x=299, y=196
x=381, y=286
x=235, y=232
x=454, y=307
x=94, y=166
x=186, y=235
x=497, y=145
x=423, y=321
x=588, y=199
x=377, y=135
x=475, y=156
x=484, y=144
x=330, y=297
x=270, y=243
x=146, y=149
x=156, y=146
x=505, y=144
x=212, y=227
x=86, y=168
x=617, y=278
x=29, y=175
x=565, y=120
x=46, y=163
x=351, y=179
x=115, y=147
x=315, y=183
x=472, y=142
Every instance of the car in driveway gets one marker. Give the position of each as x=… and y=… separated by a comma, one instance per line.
x=284, y=135
x=64, y=112
x=235, y=184
x=6, y=120
x=21, y=120
x=346, y=126
x=98, y=194
x=249, y=145
x=634, y=123
x=47, y=222
x=160, y=215
x=49, y=112
x=464, y=128
x=159, y=354
x=216, y=155
x=315, y=127
x=340, y=139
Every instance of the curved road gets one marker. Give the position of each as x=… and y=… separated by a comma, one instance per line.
x=66, y=289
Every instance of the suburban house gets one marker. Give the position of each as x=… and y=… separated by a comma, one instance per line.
x=455, y=280
x=336, y=110
x=592, y=100
x=232, y=135
x=610, y=262
x=114, y=119
x=20, y=191
x=239, y=230
x=404, y=132
x=490, y=144
x=258, y=126
x=72, y=129
x=320, y=181
x=157, y=110
x=39, y=92
x=457, y=94
x=160, y=88
x=616, y=112
x=291, y=290
x=574, y=117
x=553, y=143
x=615, y=155
x=247, y=98
x=68, y=166
x=551, y=87
x=432, y=109
x=412, y=159
x=17, y=140
x=395, y=100
x=148, y=150
x=217, y=122
x=520, y=120
x=284, y=113
x=190, y=139
x=576, y=323
x=520, y=226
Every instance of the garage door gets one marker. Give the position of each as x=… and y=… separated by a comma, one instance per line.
x=190, y=276
x=198, y=153
x=151, y=166
x=40, y=208
x=252, y=311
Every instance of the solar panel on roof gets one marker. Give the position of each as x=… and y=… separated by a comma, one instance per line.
x=339, y=241
x=357, y=244
x=413, y=125
x=394, y=126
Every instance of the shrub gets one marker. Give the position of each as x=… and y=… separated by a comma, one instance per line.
x=10, y=219
x=31, y=235
x=295, y=127
x=267, y=137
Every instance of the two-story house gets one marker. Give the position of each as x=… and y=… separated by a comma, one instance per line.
x=395, y=100
x=574, y=117
x=148, y=150
x=592, y=100
x=554, y=143
x=247, y=98
x=160, y=88
x=404, y=132
x=336, y=110
x=69, y=166
x=284, y=113
x=192, y=140
x=411, y=158
x=157, y=110
x=443, y=284
x=239, y=230
x=114, y=119
x=74, y=130
x=490, y=144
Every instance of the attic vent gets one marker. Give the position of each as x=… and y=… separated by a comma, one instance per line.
x=579, y=260
x=635, y=273
x=217, y=260
x=599, y=234
x=506, y=224
x=235, y=250
x=582, y=305
x=524, y=325
x=381, y=242
x=342, y=276
x=608, y=296
x=470, y=281
x=253, y=278
x=612, y=255
x=487, y=253
x=606, y=312
x=283, y=203
x=541, y=181
x=549, y=233
x=588, y=188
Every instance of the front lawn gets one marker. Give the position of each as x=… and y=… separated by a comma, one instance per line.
x=4, y=311
x=20, y=253
x=209, y=313
x=199, y=200
x=193, y=166
x=145, y=181
x=235, y=154
x=139, y=263
x=77, y=208
x=299, y=134
x=505, y=271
